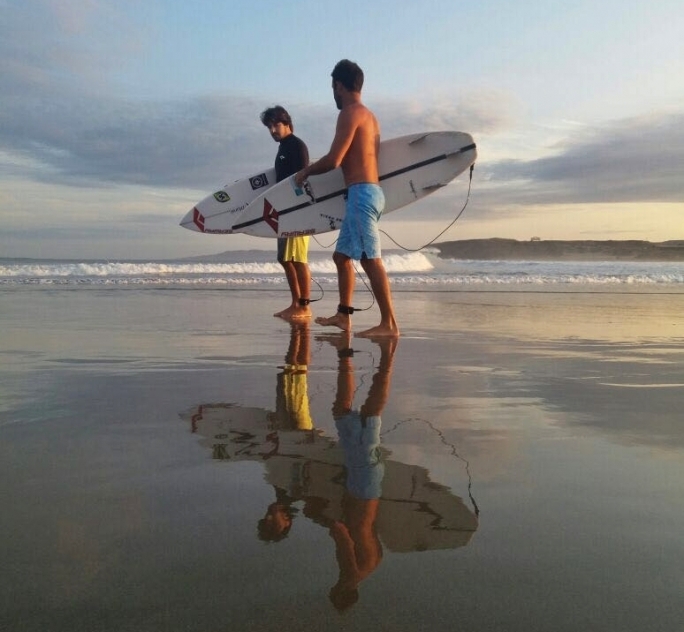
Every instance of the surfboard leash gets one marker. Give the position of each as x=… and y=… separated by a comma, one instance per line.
x=320, y=287
x=351, y=310
x=432, y=241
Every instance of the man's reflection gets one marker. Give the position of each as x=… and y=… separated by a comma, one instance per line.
x=358, y=548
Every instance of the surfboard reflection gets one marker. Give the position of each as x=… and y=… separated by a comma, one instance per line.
x=347, y=484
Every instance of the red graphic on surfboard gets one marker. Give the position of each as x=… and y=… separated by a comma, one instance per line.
x=198, y=218
x=270, y=215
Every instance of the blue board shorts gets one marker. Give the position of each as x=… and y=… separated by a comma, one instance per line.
x=360, y=441
x=359, y=236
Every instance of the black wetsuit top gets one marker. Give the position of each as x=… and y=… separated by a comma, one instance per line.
x=293, y=156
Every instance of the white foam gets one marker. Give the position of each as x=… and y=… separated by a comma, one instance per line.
x=405, y=269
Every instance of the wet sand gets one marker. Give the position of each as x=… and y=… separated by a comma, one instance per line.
x=181, y=460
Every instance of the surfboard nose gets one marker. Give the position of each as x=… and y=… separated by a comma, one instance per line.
x=193, y=220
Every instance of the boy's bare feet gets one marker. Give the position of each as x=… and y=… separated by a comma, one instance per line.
x=295, y=312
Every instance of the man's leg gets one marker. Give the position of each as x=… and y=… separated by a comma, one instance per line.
x=345, y=280
x=375, y=269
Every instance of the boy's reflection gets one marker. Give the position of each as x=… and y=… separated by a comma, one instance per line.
x=292, y=413
x=277, y=522
x=292, y=398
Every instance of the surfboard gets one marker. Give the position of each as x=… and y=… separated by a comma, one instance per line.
x=411, y=167
x=227, y=203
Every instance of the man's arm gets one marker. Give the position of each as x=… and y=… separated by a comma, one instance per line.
x=303, y=157
x=344, y=135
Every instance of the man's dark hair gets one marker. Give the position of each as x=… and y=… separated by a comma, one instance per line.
x=276, y=114
x=349, y=75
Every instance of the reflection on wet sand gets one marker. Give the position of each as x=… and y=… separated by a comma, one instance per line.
x=347, y=484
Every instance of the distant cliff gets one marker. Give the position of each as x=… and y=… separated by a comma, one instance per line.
x=542, y=250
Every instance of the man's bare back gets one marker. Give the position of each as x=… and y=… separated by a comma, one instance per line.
x=355, y=146
x=360, y=163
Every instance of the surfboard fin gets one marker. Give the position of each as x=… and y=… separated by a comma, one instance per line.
x=417, y=140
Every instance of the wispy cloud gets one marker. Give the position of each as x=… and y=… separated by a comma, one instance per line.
x=63, y=121
x=633, y=160
x=72, y=136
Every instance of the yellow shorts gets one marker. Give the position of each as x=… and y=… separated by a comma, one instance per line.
x=294, y=249
x=292, y=399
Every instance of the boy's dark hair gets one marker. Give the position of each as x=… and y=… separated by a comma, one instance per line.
x=276, y=114
x=349, y=75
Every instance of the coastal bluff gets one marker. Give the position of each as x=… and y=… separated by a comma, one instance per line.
x=556, y=250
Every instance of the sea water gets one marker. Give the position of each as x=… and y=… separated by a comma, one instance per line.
x=408, y=271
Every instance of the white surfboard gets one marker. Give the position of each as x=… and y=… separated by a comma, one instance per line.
x=411, y=167
x=227, y=203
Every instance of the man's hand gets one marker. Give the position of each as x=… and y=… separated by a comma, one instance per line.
x=300, y=177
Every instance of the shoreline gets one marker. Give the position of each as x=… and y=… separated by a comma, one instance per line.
x=558, y=250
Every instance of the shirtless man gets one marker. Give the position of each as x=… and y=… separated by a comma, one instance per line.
x=355, y=148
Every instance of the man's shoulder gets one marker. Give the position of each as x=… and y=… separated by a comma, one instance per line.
x=355, y=108
x=294, y=142
x=358, y=113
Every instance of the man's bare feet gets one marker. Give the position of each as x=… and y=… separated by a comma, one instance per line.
x=380, y=331
x=340, y=320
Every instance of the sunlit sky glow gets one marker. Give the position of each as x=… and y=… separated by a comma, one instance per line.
x=116, y=117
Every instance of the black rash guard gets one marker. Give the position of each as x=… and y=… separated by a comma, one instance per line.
x=293, y=155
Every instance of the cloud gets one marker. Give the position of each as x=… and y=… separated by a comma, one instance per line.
x=63, y=122
x=632, y=160
x=479, y=112
x=89, y=139
x=104, y=140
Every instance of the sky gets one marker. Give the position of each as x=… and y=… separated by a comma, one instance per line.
x=117, y=116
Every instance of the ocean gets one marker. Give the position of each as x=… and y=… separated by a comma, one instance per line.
x=408, y=271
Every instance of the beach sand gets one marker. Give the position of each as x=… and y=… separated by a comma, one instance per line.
x=521, y=466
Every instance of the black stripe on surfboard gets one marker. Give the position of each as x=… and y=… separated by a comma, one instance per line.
x=387, y=176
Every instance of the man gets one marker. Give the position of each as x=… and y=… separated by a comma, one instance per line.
x=293, y=154
x=355, y=147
